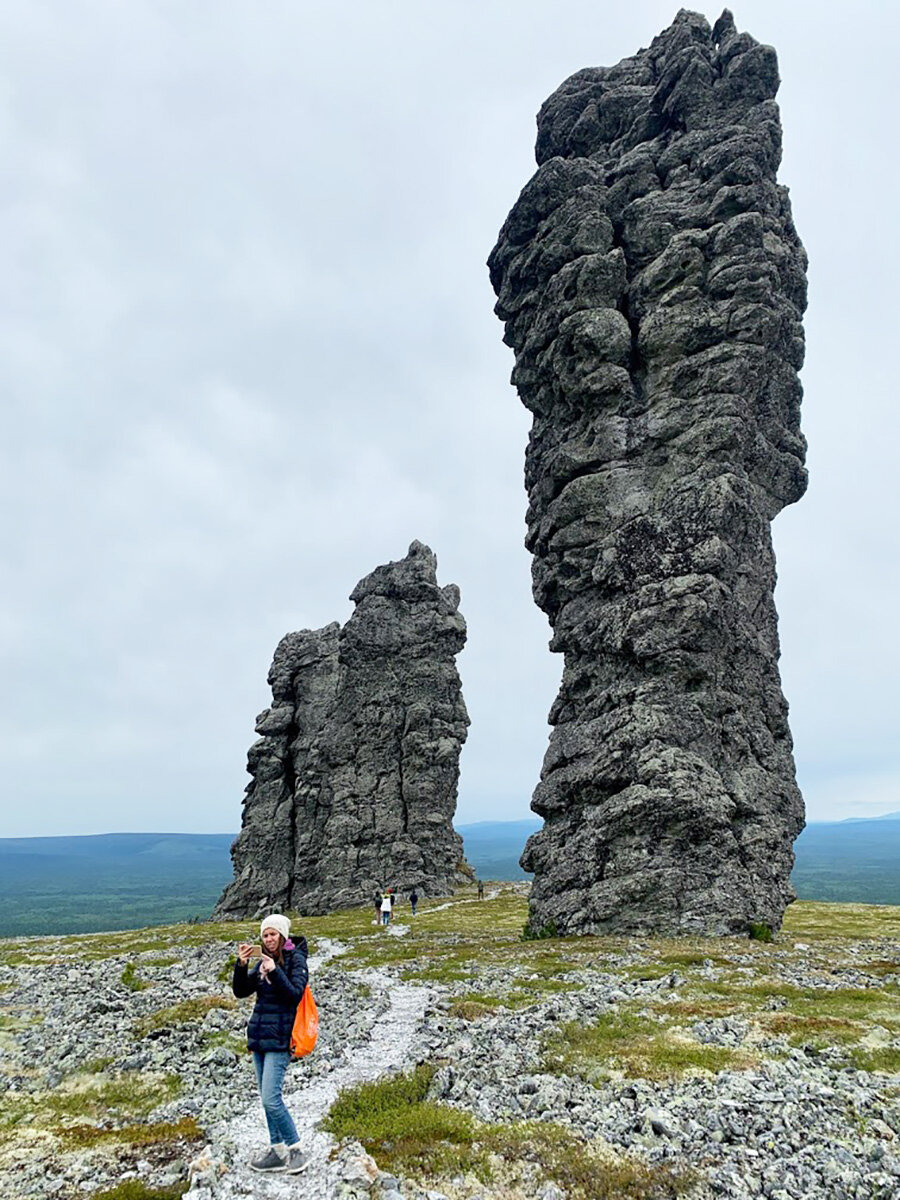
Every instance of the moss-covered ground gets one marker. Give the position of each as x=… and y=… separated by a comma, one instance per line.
x=92, y=1109
x=413, y=1136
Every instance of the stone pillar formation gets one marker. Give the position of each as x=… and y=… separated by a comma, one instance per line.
x=652, y=285
x=355, y=772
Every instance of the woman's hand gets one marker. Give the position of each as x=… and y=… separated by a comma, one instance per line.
x=244, y=953
x=266, y=964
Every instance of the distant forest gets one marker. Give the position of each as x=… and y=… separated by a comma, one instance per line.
x=128, y=880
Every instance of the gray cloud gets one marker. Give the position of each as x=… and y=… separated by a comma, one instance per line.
x=249, y=354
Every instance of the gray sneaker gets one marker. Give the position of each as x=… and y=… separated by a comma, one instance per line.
x=297, y=1162
x=270, y=1161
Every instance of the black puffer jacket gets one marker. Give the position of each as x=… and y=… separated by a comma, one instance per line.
x=273, y=1014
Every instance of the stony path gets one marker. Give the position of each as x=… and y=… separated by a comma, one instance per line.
x=474, y=900
x=390, y=1048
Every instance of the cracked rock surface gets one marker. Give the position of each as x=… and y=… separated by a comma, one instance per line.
x=652, y=284
x=356, y=769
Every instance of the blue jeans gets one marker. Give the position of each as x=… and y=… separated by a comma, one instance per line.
x=385, y=918
x=270, y=1067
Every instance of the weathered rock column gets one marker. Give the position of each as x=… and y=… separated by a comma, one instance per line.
x=652, y=284
x=284, y=762
x=355, y=775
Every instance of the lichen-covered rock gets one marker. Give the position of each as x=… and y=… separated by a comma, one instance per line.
x=355, y=772
x=652, y=284
x=284, y=762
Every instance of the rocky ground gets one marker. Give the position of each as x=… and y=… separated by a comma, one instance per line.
x=682, y=1067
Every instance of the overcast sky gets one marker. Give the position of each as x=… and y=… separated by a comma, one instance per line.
x=247, y=353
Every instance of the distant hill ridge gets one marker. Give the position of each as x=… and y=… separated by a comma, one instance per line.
x=91, y=882
x=117, y=843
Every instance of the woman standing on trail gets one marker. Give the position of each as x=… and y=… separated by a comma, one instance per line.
x=386, y=909
x=278, y=983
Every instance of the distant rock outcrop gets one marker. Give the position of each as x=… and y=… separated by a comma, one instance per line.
x=652, y=284
x=355, y=773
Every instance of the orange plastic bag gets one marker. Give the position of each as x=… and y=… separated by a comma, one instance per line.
x=306, y=1025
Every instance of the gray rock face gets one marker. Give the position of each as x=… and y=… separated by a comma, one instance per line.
x=652, y=284
x=356, y=769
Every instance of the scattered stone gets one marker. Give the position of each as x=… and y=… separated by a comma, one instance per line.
x=358, y=1169
x=806, y=1123
x=659, y=1122
x=204, y=1171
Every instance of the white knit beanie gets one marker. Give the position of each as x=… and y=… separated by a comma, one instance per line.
x=276, y=921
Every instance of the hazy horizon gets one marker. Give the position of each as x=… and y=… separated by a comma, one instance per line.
x=533, y=819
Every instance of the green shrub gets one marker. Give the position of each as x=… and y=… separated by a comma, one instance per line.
x=583, y=1172
x=133, y=1189
x=131, y=979
x=759, y=931
x=470, y=1010
x=411, y=1135
x=114, y=1096
x=642, y=1047
x=402, y=1129
x=876, y=1058
x=20, y=1018
x=184, y=1013
x=95, y=1065
x=79, y=1137
x=235, y=1042
x=532, y=934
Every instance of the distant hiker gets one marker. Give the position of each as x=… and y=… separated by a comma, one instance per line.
x=376, y=900
x=386, y=909
x=278, y=982
x=480, y=890
x=413, y=900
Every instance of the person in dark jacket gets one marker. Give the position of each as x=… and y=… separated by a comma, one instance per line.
x=278, y=983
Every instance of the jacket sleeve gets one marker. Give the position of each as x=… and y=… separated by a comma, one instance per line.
x=292, y=982
x=242, y=982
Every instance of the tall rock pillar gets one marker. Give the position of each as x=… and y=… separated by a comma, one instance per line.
x=355, y=773
x=653, y=284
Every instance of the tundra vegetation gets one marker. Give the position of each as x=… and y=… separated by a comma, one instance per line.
x=791, y=993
